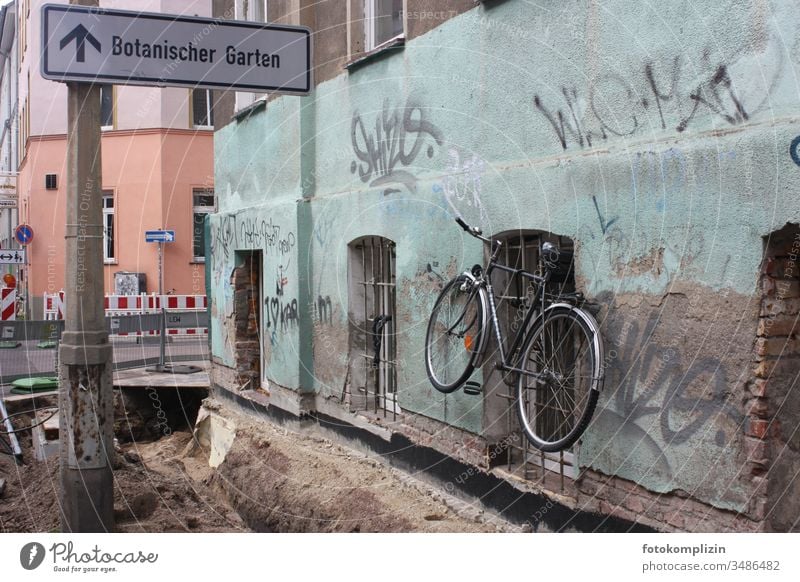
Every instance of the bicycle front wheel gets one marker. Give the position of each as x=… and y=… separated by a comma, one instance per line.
x=562, y=376
x=454, y=334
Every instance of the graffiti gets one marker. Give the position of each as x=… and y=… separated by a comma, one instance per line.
x=323, y=310
x=604, y=225
x=323, y=226
x=223, y=238
x=280, y=314
x=672, y=97
x=255, y=233
x=462, y=183
x=281, y=280
x=682, y=397
x=386, y=151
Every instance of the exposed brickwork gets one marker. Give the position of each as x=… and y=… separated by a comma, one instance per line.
x=676, y=511
x=455, y=442
x=247, y=354
x=773, y=405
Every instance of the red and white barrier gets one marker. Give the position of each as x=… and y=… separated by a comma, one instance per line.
x=147, y=303
x=136, y=305
x=54, y=306
x=8, y=304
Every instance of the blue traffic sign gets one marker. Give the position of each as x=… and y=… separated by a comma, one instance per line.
x=24, y=234
x=159, y=236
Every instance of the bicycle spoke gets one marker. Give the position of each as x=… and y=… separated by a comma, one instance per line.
x=453, y=331
x=562, y=355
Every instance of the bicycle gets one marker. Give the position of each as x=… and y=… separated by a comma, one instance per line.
x=555, y=360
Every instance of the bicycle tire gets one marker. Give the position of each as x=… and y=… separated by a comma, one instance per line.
x=459, y=346
x=560, y=410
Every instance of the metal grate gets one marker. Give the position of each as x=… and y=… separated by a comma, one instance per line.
x=523, y=252
x=374, y=385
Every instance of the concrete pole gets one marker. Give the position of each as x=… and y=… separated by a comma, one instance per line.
x=85, y=381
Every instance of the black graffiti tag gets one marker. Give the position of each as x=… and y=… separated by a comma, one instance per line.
x=280, y=314
x=384, y=153
x=617, y=105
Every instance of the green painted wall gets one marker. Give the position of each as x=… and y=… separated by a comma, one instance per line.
x=656, y=136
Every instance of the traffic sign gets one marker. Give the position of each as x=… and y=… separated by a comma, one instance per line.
x=8, y=186
x=159, y=236
x=12, y=256
x=24, y=234
x=96, y=45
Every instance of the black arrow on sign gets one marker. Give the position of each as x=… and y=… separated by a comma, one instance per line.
x=80, y=35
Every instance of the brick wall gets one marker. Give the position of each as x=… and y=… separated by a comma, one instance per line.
x=676, y=511
x=772, y=435
x=246, y=303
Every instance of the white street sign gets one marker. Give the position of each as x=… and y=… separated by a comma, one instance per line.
x=8, y=186
x=95, y=45
x=12, y=256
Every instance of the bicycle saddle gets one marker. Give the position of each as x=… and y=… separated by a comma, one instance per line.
x=550, y=255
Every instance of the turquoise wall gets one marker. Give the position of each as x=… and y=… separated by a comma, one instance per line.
x=656, y=136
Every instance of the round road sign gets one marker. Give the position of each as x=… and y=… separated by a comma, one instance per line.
x=24, y=234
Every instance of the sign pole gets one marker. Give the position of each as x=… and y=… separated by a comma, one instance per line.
x=85, y=383
x=163, y=332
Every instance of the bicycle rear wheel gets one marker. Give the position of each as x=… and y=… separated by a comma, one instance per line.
x=557, y=394
x=454, y=334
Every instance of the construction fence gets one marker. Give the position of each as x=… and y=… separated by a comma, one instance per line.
x=30, y=348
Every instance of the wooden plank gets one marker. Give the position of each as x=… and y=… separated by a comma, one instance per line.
x=50, y=425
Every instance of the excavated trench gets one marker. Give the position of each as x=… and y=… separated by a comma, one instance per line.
x=185, y=464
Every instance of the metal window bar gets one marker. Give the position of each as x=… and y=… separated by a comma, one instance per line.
x=378, y=325
x=523, y=252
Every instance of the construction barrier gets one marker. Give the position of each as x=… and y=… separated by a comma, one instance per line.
x=54, y=306
x=8, y=304
x=120, y=305
x=30, y=348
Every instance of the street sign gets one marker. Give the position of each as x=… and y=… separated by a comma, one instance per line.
x=95, y=45
x=8, y=186
x=12, y=256
x=24, y=234
x=159, y=236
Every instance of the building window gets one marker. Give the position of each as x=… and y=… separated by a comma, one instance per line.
x=514, y=292
x=203, y=202
x=108, y=227
x=202, y=108
x=373, y=354
x=383, y=22
x=254, y=11
x=107, y=106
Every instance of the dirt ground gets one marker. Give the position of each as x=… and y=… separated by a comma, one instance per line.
x=282, y=481
x=151, y=494
x=276, y=480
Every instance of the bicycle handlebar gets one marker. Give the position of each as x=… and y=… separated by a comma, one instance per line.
x=473, y=230
x=550, y=253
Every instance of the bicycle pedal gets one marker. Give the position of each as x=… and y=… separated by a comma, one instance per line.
x=472, y=388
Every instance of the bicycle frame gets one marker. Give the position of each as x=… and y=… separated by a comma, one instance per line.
x=485, y=281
